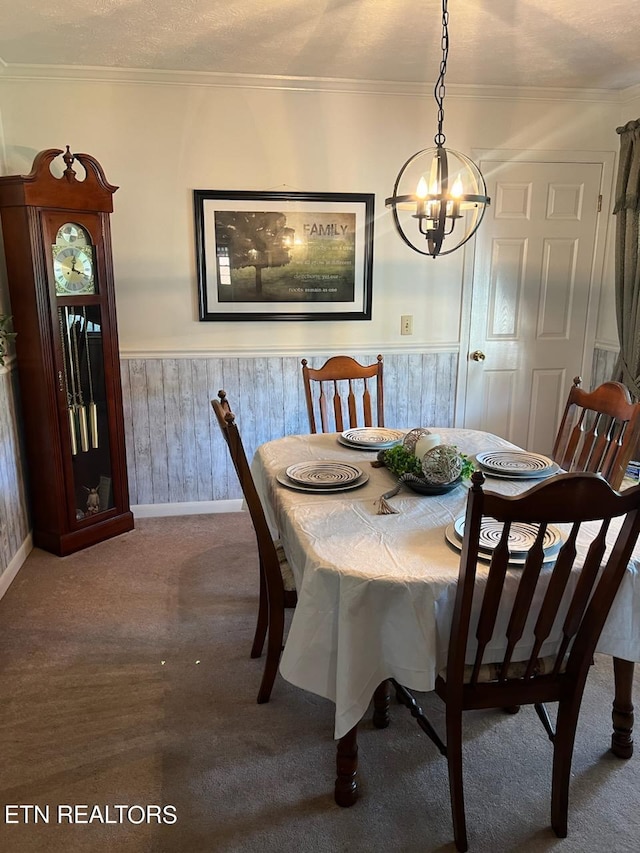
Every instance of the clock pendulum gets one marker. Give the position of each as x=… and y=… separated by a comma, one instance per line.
x=93, y=409
x=80, y=406
x=67, y=384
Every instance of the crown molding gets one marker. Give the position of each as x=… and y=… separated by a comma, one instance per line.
x=100, y=74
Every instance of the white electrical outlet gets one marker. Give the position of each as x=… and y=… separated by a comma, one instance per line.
x=406, y=324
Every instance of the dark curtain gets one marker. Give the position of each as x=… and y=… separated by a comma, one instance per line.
x=627, y=271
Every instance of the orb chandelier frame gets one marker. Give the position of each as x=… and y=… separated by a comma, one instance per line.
x=438, y=189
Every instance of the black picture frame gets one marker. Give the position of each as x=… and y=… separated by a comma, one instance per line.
x=283, y=255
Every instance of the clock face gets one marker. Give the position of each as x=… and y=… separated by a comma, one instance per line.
x=73, y=270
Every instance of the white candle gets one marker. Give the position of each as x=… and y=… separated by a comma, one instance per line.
x=426, y=443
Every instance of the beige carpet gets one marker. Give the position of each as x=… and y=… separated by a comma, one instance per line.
x=125, y=679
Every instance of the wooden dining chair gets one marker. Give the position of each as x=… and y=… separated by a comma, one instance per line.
x=599, y=431
x=326, y=386
x=277, y=584
x=502, y=603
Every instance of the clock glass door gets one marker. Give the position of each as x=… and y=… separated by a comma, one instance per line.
x=82, y=379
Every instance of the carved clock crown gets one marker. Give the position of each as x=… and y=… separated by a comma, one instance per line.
x=41, y=188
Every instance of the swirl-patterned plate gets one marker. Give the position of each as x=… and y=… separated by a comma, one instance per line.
x=321, y=490
x=370, y=438
x=544, y=475
x=515, y=560
x=516, y=463
x=521, y=536
x=324, y=474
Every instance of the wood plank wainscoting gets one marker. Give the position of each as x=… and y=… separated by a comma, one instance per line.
x=603, y=365
x=173, y=448
x=14, y=514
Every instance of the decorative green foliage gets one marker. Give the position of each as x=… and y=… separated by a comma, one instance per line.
x=467, y=467
x=6, y=335
x=401, y=461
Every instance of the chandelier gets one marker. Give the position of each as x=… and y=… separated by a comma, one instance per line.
x=439, y=193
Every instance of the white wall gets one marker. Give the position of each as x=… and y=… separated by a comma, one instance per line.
x=159, y=141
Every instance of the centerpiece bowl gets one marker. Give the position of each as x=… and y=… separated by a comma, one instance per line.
x=423, y=487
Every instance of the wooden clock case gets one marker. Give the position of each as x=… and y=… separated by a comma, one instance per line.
x=78, y=488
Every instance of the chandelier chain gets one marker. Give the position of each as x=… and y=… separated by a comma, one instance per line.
x=439, y=91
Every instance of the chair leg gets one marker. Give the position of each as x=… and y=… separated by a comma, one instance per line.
x=274, y=650
x=263, y=619
x=346, y=786
x=456, y=791
x=381, y=703
x=562, y=756
x=622, y=737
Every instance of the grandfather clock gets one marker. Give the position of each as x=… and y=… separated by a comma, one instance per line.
x=58, y=251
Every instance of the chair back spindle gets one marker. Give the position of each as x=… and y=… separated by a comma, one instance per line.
x=342, y=386
x=599, y=431
x=553, y=602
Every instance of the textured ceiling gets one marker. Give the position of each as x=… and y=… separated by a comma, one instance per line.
x=557, y=43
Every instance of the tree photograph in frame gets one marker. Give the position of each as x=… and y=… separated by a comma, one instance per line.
x=284, y=255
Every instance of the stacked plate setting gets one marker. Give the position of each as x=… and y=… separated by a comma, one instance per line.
x=516, y=464
x=521, y=538
x=322, y=477
x=370, y=438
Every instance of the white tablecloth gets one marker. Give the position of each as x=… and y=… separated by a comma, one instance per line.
x=376, y=592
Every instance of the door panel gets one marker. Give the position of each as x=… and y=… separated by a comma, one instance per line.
x=531, y=285
x=557, y=287
x=548, y=393
x=500, y=385
x=507, y=270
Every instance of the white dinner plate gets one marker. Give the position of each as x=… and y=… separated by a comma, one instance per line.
x=326, y=473
x=452, y=538
x=370, y=438
x=516, y=463
x=555, y=469
x=522, y=536
x=320, y=490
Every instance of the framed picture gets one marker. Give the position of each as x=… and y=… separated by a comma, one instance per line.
x=284, y=255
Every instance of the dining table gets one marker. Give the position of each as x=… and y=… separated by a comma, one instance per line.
x=376, y=588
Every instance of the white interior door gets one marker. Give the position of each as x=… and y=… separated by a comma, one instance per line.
x=532, y=280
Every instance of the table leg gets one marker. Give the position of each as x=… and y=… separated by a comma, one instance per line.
x=381, y=703
x=622, y=715
x=346, y=788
